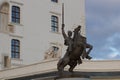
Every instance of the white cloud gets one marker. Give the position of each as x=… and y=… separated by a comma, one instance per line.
x=114, y=53
x=113, y=37
x=110, y=42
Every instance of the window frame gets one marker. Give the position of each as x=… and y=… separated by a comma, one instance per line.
x=15, y=15
x=56, y=1
x=55, y=48
x=54, y=23
x=15, y=49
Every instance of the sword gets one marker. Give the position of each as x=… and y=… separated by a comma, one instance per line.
x=63, y=14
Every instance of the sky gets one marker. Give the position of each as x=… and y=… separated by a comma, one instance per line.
x=103, y=28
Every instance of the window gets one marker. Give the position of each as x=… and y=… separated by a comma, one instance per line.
x=15, y=14
x=15, y=48
x=54, y=1
x=55, y=49
x=54, y=23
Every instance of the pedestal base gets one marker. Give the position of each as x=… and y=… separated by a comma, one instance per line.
x=56, y=76
x=72, y=76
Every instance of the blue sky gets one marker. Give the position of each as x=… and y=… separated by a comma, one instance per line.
x=103, y=28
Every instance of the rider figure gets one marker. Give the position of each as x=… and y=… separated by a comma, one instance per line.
x=68, y=41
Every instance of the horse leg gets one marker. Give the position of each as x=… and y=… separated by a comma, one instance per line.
x=79, y=61
x=90, y=48
x=72, y=65
x=62, y=63
x=84, y=54
x=59, y=67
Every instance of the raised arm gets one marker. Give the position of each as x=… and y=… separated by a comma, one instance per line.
x=63, y=32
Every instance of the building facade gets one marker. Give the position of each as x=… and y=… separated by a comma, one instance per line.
x=30, y=31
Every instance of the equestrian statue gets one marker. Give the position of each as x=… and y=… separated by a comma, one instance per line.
x=76, y=49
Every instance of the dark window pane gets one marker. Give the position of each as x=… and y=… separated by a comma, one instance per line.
x=17, y=20
x=55, y=49
x=15, y=14
x=15, y=48
x=13, y=8
x=17, y=9
x=54, y=23
x=54, y=1
x=13, y=19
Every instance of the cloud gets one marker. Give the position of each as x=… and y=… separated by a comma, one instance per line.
x=113, y=54
x=103, y=28
x=114, y=45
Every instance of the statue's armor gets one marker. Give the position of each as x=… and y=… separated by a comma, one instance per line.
x=69, y=42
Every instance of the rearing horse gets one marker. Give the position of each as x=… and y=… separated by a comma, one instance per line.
x=74, y=55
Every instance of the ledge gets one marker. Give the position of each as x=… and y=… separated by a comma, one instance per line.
x=48, y=66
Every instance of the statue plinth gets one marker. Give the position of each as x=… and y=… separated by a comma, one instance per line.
x=55, y=75
x=72, y=76
x=63, y=76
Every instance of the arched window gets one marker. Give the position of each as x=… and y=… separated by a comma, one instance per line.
x=54, y=23
x=15, y=48
x=15, y=14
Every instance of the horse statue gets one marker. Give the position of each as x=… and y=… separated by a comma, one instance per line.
x=73, y=57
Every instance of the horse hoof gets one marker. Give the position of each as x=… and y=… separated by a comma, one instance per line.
x=71, y=71
x=89, y=58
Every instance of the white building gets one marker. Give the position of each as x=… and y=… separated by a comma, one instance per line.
x=30, y=30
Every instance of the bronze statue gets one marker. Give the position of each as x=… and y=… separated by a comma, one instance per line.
x=81, y=40
x=76, y=48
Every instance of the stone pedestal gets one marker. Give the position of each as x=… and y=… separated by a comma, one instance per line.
x=72, y=76
x=56, y=76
